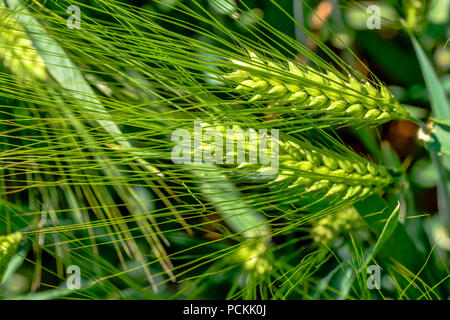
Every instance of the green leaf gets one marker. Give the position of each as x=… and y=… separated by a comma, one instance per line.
x=442, y=122
x=228, y=201
x=374, y=210
x=14, y=264
x=386, y=233
x=443, y=137
x=424, y=173
x=399, y=247
x=442, y=188
x=439, y=103
x=47, y=295
x=441, y=110
x=395, y=61
x=383, y=236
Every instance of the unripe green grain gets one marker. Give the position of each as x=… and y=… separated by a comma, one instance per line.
x=314, y=91
x=335, y=225
x=309, y=169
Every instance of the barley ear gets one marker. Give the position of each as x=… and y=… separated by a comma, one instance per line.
x=337, y=224
x=307, y=89
x=307, y=169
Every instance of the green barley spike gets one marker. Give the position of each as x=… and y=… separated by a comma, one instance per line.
x=328, y=93
x=252, y=257
x=337, y=224
x=17, y=51
x=331, y=173
x=309, y=169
